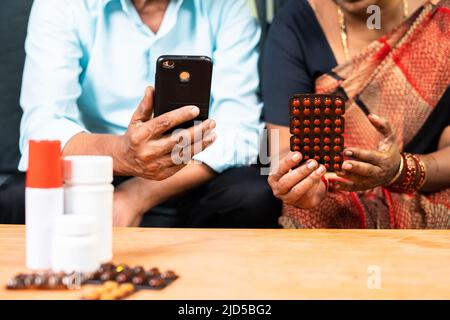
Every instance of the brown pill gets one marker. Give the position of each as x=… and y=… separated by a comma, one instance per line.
x=156, y=283
x=122, y=278
x=169, y=275
x=153, y=272
x=296, y=103
x=107, y=275
x=317, y=130
x=138, y=280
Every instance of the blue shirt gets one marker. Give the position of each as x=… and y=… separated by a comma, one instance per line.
x=89, y=61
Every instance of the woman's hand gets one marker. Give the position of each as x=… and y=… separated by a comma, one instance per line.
x=145, y=152
x=368, y=169
x=301, y=187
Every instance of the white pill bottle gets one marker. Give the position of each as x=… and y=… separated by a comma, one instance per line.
x=88, y=190
x=43, y=200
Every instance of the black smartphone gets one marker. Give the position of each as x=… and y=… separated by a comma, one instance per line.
x=182, y=81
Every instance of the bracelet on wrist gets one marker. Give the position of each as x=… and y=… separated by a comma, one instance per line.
x=411, y=177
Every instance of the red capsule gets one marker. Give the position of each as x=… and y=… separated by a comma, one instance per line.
x=317, y=102
x=327, y=166
x=338, y=111
x=327, y=111
x=306, y=148
x=306, y=130
x=327, y=140
x=338, y=130
x=316, y=130
x=317, y=111
x=337, y=159
x=337, y=140
x=296, y=141
x=327, y=130
x=316, y=140
x=296, y=148
x=296, y=103
x=306, y=122
x=327, y=122
x=307, y=112
x=337, y=166
x=317, y=122
x=326, y=158
x=316, y=148
x=338, y=122
x=317, y=158
x=296, y=112
x=295, y=122
x=338, y=102
x=296, y=131
x=305, y=157
x=306, y=141
x=306, y=102
x=327, y=101
x=337, y=148
x=326, y=148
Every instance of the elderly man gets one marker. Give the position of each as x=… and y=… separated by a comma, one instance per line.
x=87, y=65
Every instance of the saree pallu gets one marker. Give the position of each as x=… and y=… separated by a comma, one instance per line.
x=401, y=77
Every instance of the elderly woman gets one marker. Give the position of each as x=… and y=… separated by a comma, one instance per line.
x=396, y=83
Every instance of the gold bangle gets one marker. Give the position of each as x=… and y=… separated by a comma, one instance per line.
x=399, y=172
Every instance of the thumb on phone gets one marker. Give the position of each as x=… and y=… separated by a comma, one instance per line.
x=144, y=110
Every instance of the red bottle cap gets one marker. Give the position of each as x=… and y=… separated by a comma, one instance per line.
x=44, y=164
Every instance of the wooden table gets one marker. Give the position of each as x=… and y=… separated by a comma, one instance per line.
x=269, y=264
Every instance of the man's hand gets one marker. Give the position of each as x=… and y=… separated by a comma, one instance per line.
x=143, y=150
x=300, y=187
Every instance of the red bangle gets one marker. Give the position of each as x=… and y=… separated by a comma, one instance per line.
x=325, y=181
